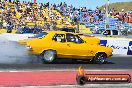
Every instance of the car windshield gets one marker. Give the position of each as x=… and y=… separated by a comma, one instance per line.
x=43, y=34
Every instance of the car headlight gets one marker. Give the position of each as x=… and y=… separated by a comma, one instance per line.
x=28, y=47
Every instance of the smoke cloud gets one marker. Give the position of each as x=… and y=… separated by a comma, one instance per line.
x=14, y=53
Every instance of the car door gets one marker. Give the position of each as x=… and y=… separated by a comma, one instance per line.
x=59, y=44
x=77, y=47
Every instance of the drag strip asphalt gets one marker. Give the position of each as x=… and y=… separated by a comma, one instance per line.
x=117, y=63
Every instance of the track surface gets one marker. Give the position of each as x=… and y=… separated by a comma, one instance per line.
x=113, y=64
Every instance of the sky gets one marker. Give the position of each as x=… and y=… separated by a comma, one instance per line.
x=90, y=4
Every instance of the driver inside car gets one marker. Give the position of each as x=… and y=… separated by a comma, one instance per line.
x=60, y=38
x=72, y=39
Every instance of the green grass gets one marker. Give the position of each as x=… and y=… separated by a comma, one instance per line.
x=127, y=6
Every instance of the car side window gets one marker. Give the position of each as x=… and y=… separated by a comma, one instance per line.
x=59, y=38
x=78, y=39
x=70, y=37
x=73, y=38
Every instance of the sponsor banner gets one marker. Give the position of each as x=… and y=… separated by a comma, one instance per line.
x=103, y=42
x=16, y=37
x=84, y=77
x=107, y=78
x=119, y=46
x=103, y=78
x=130, y=48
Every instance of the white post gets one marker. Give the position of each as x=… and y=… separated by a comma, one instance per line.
x=30, y=0
x=106, y=13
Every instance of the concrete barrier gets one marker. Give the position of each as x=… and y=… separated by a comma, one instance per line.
x=16, y=37
x=121, y=46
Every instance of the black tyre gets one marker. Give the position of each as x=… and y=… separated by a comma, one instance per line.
x=99, y=58
x=48, y=56
x=81, y=80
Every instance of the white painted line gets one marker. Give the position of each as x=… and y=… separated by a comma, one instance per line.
x=128, y=70
x=128, y=85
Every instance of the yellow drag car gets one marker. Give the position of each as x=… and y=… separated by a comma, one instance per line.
x=58, y=44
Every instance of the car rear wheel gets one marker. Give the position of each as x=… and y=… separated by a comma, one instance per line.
x=48, y=56
x=99, y=58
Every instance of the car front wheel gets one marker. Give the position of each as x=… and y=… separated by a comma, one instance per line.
x=99, y=58
x=48, y=56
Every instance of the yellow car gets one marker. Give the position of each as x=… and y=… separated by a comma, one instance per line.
x=58, y=44
x=88, y=39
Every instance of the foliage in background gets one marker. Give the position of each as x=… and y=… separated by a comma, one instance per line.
x=127, y=6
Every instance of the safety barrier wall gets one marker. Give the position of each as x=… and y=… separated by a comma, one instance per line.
x=120, y=46
x=16, y=37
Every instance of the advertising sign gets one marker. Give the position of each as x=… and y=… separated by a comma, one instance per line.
x=119, y=46
x=85, y=77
